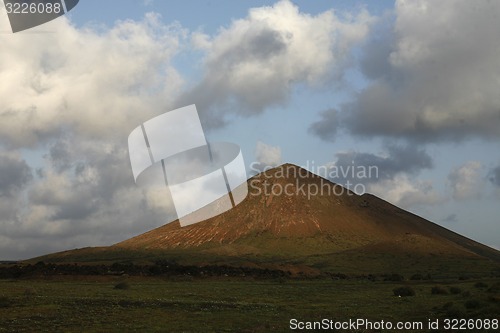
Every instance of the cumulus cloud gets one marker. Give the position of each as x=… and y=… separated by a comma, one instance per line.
x=494, y=176
x=326, y=127
x=94, y=83
x=390, y=175
x=398, y=159
x=452, y=218
x=432, y=76
x=466, y=181
x=92, y=201
x=406, y=192
x=15, y=176
x=75, y=95
x=266, y=156
x=14, y=173
x=253, y=63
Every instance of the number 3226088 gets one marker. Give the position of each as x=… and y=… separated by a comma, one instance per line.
x=33, y=8
x=471, y=324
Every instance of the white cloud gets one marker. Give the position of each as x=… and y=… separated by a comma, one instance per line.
x=201, y=41
x=93, y=83
x=466, y=181
x=406, y=192
x=253, y=63
x=267, y=155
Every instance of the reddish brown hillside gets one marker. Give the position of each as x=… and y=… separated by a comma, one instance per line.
x=314, y=216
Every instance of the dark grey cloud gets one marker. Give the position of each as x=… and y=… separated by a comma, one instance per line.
x=375, y=59
x=494, y=176
x=400, y=159
x=83, y=178
x=433, y=77
x=14, y=173
x=91, y=201
x=219, y=92
x=452, y=218
x=215, y=95
x=79, y=208
x=60, y=155
x=15, y=177
x=326, y=128
x=262, y=45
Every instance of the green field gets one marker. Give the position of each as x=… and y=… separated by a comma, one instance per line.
x=183, y=304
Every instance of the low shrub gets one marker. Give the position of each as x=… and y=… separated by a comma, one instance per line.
x=419, y=276
x=122, y=285
x=281, y=280
x=481, y=285
x=394, y=277
x=455, y=312
x=29, y=293
x=455, y=290
x=447, y=306
x=437, y=290
x=5, y=302
x=181, y=278
x=495, y=288
x=404, y=291
x=494, y=298
x=473, y=304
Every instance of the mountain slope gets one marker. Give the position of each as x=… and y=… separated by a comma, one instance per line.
x=337, y=218
x=312, y=222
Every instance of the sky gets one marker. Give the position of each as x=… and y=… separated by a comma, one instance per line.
x=411, y=87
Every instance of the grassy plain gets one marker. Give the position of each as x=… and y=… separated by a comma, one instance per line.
x=184, y=304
